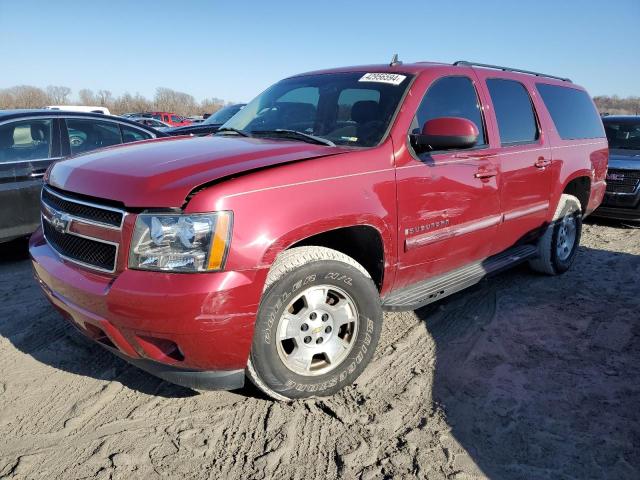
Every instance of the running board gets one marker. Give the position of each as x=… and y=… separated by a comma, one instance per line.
x=429, y=291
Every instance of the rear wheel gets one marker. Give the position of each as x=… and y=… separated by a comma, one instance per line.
x=317, y=327
x=559, y=244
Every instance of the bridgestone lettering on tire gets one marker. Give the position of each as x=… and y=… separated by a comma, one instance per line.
x=317, y=326
x=558, y=246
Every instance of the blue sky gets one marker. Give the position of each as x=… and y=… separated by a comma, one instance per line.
x=233, y=50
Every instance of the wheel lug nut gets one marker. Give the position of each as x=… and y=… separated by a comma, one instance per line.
x=307, y=339
x=327, y=330
x=304, y=327
x=319, y=341
x=313, y=316
x=325, y=317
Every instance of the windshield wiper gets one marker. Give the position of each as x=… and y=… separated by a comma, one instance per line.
x=242, y=133
x=295, y=134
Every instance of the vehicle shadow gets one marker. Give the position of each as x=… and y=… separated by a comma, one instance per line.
x=537, y=376
x=28, y=321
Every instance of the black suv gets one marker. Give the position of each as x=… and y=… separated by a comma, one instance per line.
x=210, y=125
x=30, y=140
x=622, y=200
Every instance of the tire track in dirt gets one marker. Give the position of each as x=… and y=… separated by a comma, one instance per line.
x=492, y=381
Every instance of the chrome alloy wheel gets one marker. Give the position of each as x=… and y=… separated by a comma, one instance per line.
x=317, y=330
x=566, y=237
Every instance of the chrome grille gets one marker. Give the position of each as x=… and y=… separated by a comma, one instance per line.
x=81, y=209
x=91, y=253
x=63, y=218
x=622, y=181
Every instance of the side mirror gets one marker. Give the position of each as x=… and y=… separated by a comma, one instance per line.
x=446, y=133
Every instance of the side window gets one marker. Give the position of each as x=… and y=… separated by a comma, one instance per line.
x=451, y=97
x=86, y=134
x=130, y=134
x=574, y=114
x=514, y=111
x=176, y=119
x=166, y=118
x=25, y=140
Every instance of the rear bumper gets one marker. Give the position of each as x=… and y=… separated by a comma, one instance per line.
x=191, y=329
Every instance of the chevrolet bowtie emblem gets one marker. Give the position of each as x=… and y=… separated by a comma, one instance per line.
x=60, y=222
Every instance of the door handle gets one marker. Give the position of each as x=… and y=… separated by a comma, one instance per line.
x=485, y=174
x=542, y=163
x=37, y=174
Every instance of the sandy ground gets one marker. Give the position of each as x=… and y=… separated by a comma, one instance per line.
x=522, y=377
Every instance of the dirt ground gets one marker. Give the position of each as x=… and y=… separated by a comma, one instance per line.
x=521, y=377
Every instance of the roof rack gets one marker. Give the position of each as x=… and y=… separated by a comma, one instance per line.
x=464, y=63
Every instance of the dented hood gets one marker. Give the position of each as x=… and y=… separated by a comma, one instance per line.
x=162, y=173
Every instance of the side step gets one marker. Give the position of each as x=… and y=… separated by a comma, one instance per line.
x=429, y=291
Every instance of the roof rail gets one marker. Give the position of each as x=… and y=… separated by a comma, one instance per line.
x=464, y=63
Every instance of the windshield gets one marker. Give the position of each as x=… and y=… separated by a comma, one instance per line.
x=623, y=134
x=223, y=114
x=352, y=108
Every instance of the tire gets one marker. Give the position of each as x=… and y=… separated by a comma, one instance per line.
x=558, y=246
x=317, y=326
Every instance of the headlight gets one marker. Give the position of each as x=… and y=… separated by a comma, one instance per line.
x=181, y=243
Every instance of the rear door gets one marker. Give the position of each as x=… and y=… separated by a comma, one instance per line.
x=524, y=156
x=448, y=204
x=27, y=148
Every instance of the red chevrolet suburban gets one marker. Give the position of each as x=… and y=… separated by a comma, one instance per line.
x=271, y=249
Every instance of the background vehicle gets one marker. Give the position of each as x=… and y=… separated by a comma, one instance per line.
x=622, y=199
x=211, y=124
x=329, y=197
x=152, y=122
x=31, y=139
x=79, y=108
x=169, y=118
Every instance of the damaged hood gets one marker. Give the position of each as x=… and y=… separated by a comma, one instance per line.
x=162, y=173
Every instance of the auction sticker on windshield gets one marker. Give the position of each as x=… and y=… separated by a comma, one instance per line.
x=391, y=78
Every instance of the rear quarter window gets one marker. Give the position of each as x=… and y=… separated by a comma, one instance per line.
x=574, y=114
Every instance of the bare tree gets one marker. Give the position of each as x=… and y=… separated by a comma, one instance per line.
x=616, y=105
x=211, y=105
x=104, y=97
x=170, y=100
x=24, y=96
x=87, y=97
x=165, y=99
x=58, y=95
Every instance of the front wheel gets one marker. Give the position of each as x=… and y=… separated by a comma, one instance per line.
x=317, y=327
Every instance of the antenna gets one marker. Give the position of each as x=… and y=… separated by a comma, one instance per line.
x=395, y=61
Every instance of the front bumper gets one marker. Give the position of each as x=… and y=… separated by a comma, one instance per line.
x=620, y=207
x=190, y=329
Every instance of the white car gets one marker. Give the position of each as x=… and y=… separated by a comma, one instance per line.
x=80, y=108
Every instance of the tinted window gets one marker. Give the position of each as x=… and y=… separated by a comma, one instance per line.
x=223, y=114
x=451, y=97
x=351, y=108
x=25, y=140
x=130, y=134
x=623, y=134
x=88, y=134
x=514, y=111
x=572, y=111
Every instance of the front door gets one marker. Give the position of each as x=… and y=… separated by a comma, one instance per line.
x=448, y=202
x=27, y=148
